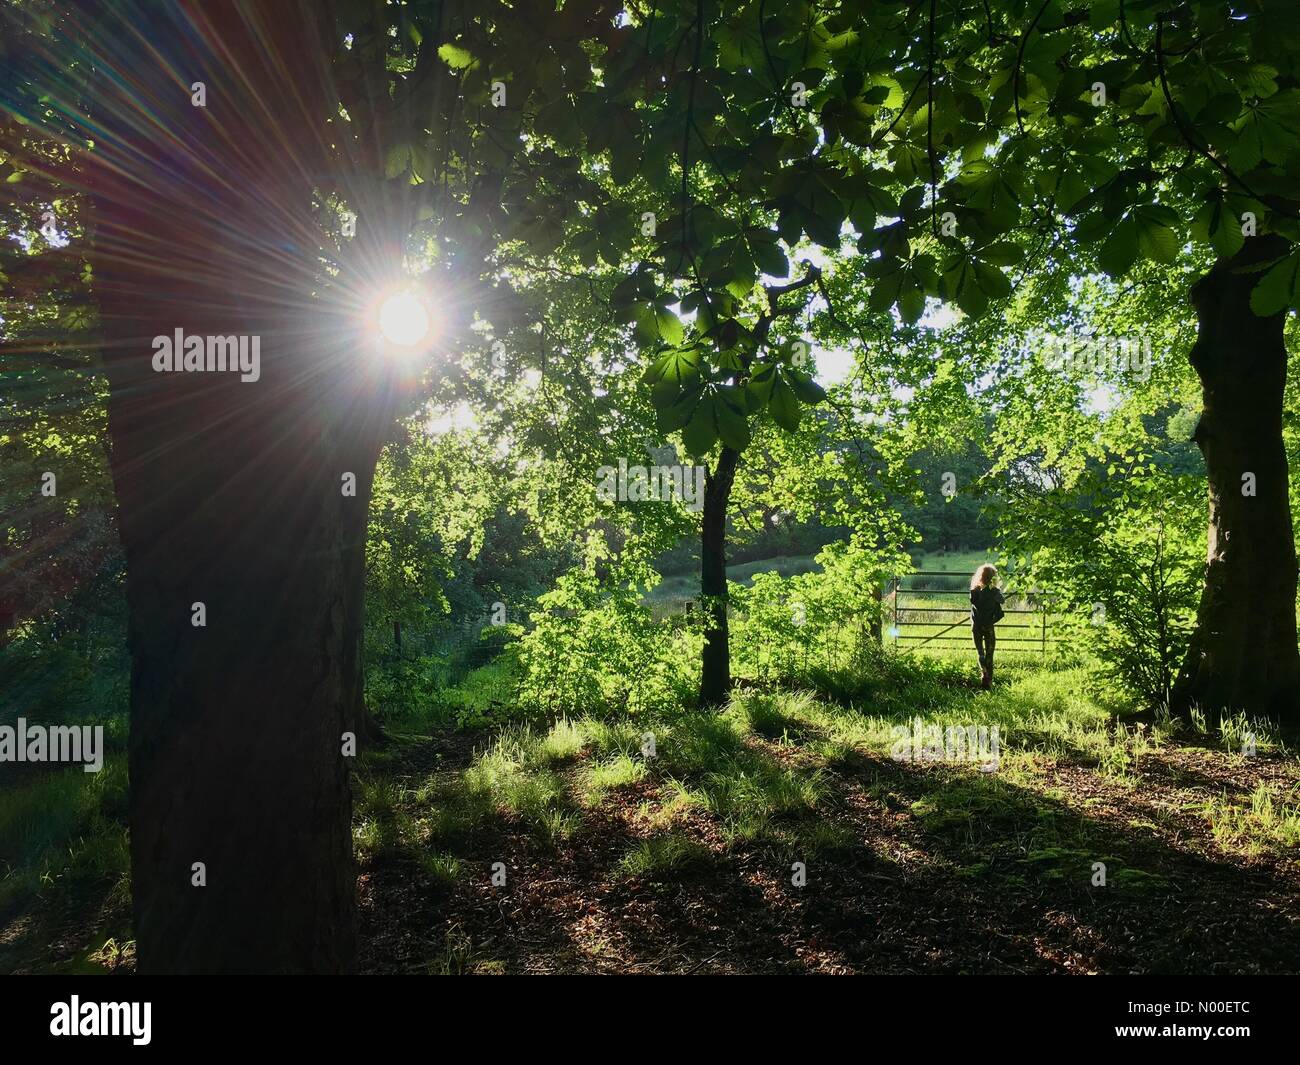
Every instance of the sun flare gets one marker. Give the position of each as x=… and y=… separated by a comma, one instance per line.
x=404, y=320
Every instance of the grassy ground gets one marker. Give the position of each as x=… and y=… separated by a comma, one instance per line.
x=621, y=858
x=683, y=861
x=678, y=586
x=65, y=896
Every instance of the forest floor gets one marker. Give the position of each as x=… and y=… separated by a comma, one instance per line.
x=686, y=861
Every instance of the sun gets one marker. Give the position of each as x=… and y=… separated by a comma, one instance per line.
x=404, y=320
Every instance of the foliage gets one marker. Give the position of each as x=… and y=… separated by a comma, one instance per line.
x=827, y=620
x=594, y=647
x=1121, y=553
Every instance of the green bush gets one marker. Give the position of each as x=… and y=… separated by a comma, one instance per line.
x=598, y=649
x=812, y=623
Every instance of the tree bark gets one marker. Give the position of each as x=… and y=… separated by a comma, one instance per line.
x=229, y=492
x=1243, y=653
x=715, y=673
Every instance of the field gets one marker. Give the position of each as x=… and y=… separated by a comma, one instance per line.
x=929, y=606
x=678, y=586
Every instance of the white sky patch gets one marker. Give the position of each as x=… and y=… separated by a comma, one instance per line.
x=1101, y=399
x=442, y=421
x=939, y=315
x=834, y=366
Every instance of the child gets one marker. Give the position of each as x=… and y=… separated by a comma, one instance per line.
x=985, y=612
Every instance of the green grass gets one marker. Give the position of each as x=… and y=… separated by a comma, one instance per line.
x=599, y=778
x=726, y=767
x=63, y=841
x=63, y=824
x=952, y=561
x=1083, y=779
x=1269, y=819
x=658, y=856
x=687, y=585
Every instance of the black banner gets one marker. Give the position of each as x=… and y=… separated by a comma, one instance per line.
x=143, y=1014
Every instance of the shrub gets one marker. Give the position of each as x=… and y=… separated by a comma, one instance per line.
x=593, y=648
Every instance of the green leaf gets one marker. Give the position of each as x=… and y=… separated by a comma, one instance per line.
x=769, y=257
x=678, y=414
x=1092, y=228
x=455, y=57
x=701, y=432
x=760, y=385
x=1002, y=253
x=992, y=281
x=808, y=390
x=1120, y=249
x=1278, y=289
x=658, y=324
x=911, y=304
x=399, y=157
x=670, y=326
x=1156, y=234
x=961, y=283
x=1215, y=225
x=822, y=212
x=784, y=406
x=732, y=420
x=1103, y=13
x=678, y=365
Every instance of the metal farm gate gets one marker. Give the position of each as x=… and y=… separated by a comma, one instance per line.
x=920, y=619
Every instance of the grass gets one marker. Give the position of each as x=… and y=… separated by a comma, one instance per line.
x=601, y=777
x=1095, y=815
x=677, y=586
x=1270, y=819
x=780, y=775
x=963, y=561
x=777, y=766
x=63, y=837
x=930, y=608
x=660, y=855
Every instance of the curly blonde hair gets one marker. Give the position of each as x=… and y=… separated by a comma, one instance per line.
x=985, y=576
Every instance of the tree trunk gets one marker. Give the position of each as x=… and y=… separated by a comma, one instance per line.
x=1243, y=653
x=230, y=492
x=365, y=420
x=715, y=674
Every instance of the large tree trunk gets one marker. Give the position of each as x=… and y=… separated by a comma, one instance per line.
x=229, y=492
x=715, y=674
x=1243, y=654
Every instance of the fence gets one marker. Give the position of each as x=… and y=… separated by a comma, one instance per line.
x=929, y=624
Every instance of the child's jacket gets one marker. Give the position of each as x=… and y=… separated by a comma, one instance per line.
x=986, y=606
